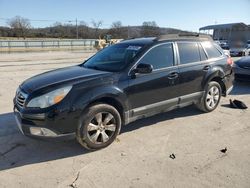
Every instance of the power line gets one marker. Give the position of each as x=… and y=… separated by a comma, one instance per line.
x=44, y=20
x=39, y=20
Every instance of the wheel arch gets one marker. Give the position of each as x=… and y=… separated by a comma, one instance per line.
x=217, y=74
x=222, y=84
x=112, y=101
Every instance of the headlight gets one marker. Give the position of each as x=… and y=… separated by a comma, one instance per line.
x=50, y=98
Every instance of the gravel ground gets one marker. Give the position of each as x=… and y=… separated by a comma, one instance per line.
x=140, y=157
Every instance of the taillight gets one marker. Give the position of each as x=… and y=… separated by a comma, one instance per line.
x=230, y=61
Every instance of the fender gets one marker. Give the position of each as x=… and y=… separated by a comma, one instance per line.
x=98, y=93
x=214, y=72
x=110, y=91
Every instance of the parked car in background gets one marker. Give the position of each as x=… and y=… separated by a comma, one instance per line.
x=237, y=48
x=223, y=44
x=248, y=44
x=242, y=69
x=247, y=51
x=235, y=52
x=122, y=83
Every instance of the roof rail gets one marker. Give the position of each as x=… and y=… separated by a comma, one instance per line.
x=184, y=36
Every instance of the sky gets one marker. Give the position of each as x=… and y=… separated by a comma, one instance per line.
x=181, y=14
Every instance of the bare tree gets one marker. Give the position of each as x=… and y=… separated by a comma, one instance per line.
x=84, y=29
x=116, y=29
x=58, y=30
x=150, y=29
x=83, y=23
x=20, y=26
x=57, y=24
x=150, y=24
x=97, y=25
x=116, y=24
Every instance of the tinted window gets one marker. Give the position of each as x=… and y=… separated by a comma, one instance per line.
x=189, y=52
x=211, y=50
x=160, y=57
x=202, y=53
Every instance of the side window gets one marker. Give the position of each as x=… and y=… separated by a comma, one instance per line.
x=202, y=53
x=188, y=52
x=211, y=50
x=160, y=57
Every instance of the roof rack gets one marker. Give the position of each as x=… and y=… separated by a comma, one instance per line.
x=184, y=36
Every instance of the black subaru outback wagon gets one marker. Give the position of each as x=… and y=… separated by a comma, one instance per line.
x=122, y=83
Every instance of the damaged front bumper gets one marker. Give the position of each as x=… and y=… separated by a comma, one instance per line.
x=33, y=125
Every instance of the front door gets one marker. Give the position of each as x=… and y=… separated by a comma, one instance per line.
x=158, y=89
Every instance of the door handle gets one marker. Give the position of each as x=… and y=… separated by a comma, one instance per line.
x=206, y=68
x=173, y=75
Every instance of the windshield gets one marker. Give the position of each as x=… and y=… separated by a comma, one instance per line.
x=113, y=58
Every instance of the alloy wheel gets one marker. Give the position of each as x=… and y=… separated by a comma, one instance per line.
x=101, y=128
x=213, y=96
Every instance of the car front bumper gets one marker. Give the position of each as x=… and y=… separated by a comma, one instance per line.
x=41, y=126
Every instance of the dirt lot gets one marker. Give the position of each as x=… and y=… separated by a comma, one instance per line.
x=140, y=155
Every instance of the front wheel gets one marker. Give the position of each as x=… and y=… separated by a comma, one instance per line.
x=99, y=127
x=211, y=97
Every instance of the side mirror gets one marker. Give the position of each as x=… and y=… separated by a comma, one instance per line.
x=143, y=68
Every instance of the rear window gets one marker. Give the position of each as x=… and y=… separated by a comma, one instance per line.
x=188, y=52
x=211, y=50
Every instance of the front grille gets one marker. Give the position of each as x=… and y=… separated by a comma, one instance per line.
x=20, y=98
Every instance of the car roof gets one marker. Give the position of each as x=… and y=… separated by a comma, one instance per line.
x=185, y=36
x=169, y=37
x=139, y=41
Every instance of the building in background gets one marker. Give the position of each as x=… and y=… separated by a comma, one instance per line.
x=232, y=32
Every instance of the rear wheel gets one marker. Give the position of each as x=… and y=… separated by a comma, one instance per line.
x=211, y=97
x=99, y=127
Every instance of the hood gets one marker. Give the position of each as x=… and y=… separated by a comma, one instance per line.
x=60, y=76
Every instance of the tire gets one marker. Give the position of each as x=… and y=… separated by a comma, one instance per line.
x=211, y=97
x=99, y=126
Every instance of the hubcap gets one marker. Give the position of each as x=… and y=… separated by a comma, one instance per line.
x=213, y=96
x=101, y=128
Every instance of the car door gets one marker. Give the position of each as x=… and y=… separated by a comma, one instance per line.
x=193, y=67
x=158, y=89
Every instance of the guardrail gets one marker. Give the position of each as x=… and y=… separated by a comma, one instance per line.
x=46, y=44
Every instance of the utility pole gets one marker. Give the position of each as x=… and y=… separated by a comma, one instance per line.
x=76, y=29
x=128, y=31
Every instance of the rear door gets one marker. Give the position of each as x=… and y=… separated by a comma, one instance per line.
x=193, y=67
